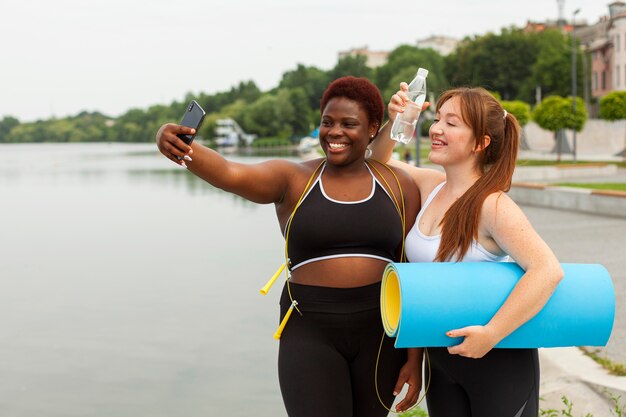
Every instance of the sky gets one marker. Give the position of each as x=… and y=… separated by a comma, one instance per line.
x=61, y=57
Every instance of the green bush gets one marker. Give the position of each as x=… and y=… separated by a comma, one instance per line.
x=270, y=142
x=555, y=113
x=613, y=106
x=519, y=109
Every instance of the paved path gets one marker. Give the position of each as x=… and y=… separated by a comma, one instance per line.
x=585, y=238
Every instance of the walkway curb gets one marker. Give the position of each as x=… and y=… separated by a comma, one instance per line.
x=569, y=372
x=604, y=202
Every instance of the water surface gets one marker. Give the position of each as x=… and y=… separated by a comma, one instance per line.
x=130, y=288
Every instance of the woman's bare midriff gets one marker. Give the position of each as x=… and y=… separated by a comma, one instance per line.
x=340, y=272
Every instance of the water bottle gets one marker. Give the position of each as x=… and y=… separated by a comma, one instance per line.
x=403, y=127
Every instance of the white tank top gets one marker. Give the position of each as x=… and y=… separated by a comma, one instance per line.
x=422, y=248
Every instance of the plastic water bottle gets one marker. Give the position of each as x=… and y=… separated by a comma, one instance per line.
x=403, y=127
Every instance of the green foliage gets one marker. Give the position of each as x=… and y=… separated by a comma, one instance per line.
x=351, y=65
x=614, y=368
x=510, y=64
x=497, y=62
x=85, y=127
x=617, y=411
x=555, y=113
x=519, y=109
x=565, y=412
x=416, y=412
x=514, y=63
x=552, y=68
x=270, y=142
x=6, y=125
x=312, y=80
x=261, y=117
x=402, y=65
x=613, y=106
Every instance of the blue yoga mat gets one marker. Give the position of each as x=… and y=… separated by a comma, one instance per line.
x=420, y=302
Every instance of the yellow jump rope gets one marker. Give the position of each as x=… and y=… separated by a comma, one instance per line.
x=399, y=205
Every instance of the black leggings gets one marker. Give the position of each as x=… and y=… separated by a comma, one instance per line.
x=504, y=383
x=327, y=356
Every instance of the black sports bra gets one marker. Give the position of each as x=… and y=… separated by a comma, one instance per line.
x=323, y=228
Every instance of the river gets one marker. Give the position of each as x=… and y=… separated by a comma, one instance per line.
x=130, y=288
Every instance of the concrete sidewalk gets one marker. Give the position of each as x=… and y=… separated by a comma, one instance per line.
x=568, y=372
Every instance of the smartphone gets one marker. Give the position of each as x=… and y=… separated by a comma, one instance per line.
x=193, y=118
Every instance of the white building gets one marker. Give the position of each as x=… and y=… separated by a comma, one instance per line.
x=373, y=59
x=229, y=133
x=617, y=36
x=442, y=44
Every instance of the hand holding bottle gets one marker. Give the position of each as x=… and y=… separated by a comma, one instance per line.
x=403, y=127
x=399, y=101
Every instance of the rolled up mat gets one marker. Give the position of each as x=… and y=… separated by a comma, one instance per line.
x=420, y=302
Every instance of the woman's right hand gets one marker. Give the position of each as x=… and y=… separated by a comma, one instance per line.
x=398, y=101
x=171, y=145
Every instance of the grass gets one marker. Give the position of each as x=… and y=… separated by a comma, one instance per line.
x=613, y=367
x=618, y=409
x=425, y=150
x=543, y=162
x=614, y=186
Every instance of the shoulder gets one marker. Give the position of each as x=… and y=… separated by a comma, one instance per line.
x=393, y=176
x=427, y=178
x=292, y=170
x=500, y=209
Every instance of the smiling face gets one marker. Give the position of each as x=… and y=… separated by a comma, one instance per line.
x=345, y=131
x=452, y=139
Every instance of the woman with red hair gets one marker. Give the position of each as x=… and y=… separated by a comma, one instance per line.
x=343, y=219
x=467, y=217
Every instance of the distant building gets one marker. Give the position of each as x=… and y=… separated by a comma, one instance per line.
x=548, y=24
x=228, y=133
x=606, y=43
x=601, y=52
x=373, y=58
x=590, y=34
x=442, y=44
x=616, y=35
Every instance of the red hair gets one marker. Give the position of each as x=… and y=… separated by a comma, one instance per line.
x=496, y=162
x=358, y=89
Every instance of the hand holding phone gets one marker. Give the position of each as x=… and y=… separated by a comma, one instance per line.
x=192, y=118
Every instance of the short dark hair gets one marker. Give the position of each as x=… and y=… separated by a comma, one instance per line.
x=358, y=89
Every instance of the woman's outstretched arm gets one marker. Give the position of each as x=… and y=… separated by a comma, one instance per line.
x=262, y=183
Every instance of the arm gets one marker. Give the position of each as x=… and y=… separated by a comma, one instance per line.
x=261, y=183
x=504, y=222
x=411, y=374
x=382, y=147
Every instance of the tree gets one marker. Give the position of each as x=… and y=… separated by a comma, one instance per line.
x=402, y=65
x=312, y=80
x=613, y=107
x=514, y=63
x=6, y=124
x=261, y=117
x=498, y=62
x=521, y=111
x=552, y=68
x=555, y=114
x=301, y=123
x=351, y=65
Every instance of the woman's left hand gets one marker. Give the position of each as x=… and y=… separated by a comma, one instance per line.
x=411, y=374
x=479, y=340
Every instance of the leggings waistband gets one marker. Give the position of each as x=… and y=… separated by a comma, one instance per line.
x=332, y=300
